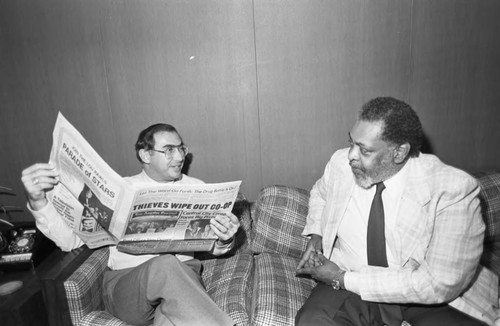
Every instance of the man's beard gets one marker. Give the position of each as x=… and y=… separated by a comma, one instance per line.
x=382, y=171
x=362, y=178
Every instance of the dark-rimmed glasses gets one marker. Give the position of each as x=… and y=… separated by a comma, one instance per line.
x=170, y=150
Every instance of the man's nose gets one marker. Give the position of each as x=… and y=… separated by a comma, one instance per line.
x=353, y=153
x=178, y=156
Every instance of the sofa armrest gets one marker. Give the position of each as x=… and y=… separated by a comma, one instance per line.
x=84, y=286
x=280, y=217
x=490, y=209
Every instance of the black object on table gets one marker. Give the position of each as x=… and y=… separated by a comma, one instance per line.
x=21, y=292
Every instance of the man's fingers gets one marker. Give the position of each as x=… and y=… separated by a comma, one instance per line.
x=305, y=270
x=304, y=259
x=220, y=225
x=39, y=173
x=35, y=168
x=225, y=226
x=233, y=219
x=321, y=258
x=217, y=228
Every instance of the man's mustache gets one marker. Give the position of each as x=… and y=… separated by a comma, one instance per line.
x=356, y=166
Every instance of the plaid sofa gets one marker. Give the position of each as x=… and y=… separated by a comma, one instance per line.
x=255, y=283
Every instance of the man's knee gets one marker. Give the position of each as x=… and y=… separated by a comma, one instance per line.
x=170, y=265
x=164, y=262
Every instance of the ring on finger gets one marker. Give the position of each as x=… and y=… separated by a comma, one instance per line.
x=35, y=181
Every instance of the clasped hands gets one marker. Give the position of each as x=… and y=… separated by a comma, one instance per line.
x=315, y=264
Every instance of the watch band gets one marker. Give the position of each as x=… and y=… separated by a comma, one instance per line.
x=337, y=282
x=336, y=285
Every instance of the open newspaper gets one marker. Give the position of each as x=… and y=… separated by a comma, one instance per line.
x=102, y=208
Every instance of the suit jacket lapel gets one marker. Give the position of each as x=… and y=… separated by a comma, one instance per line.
x=410, y=226
x=339, y=202
x=345, y=192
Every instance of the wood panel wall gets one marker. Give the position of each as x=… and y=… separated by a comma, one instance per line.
x=261, y=90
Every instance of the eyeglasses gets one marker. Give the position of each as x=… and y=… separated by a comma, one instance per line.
x=170, y=150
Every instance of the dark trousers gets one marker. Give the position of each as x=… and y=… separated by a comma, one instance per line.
x=326, y=306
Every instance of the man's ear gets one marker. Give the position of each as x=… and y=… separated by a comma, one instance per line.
x=401, y=153
x=145, y=156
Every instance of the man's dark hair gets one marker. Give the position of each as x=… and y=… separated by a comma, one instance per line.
x=401, y=122
x=146, y=138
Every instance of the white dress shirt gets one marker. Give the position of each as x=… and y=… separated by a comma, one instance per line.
x=350, y=248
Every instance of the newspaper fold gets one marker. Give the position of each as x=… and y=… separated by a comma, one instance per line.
x=102, y=208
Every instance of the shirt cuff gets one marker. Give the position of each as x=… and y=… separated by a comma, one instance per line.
x=41, y=214
x=222, y=248
x=351, y=281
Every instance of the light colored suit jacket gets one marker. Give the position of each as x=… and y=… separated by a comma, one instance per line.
x=437, y=242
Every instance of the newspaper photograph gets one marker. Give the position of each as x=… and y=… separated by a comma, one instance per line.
x=102, y=208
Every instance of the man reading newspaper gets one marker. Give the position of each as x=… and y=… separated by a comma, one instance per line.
x=140, y=289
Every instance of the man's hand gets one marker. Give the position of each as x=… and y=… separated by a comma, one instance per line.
x=225, y=226
x=315, y=245
x=37, y=180
x=319, y=268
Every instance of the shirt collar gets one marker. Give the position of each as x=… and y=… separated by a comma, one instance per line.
x=395, y=184
x=146, y=178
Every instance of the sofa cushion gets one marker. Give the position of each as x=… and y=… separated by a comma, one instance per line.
x=490, y=207
x=280, y=217
x=278, y=292
x=229, y=282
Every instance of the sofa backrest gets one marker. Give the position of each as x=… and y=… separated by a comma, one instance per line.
x=278, y=221
x=490, y=209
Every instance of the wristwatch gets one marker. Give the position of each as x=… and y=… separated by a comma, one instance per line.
x=335, y=285
x=336, y=282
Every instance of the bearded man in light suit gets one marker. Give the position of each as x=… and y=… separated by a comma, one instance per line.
x=432, y=236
